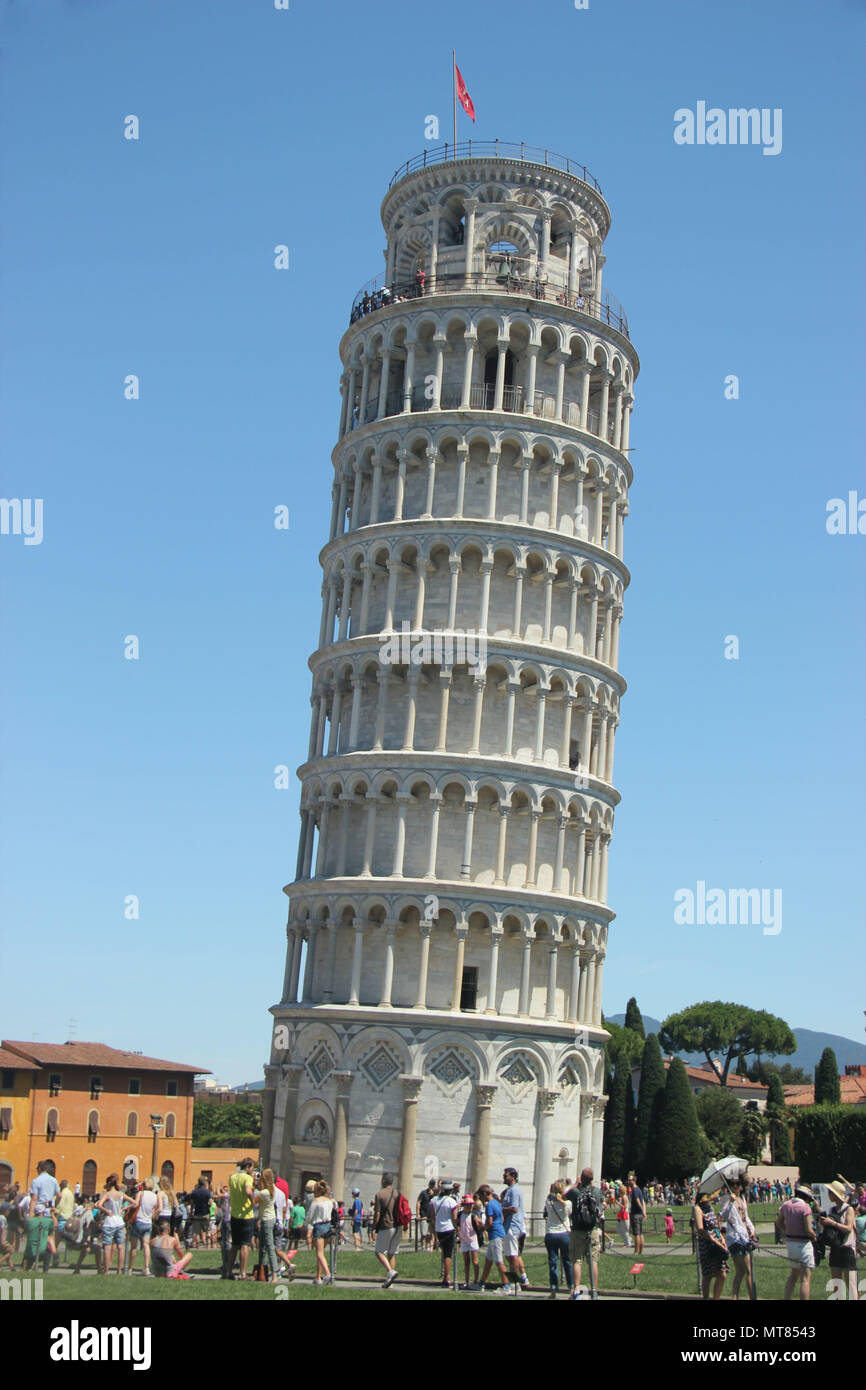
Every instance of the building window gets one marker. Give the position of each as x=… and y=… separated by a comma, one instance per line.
x=88, y=1179
x=132, y=1123
x=171, y=1088
x=135, y=1085
x=168, y=1171
x=7, y=1080
x=95, y=1087
x=5, y=1121
x=92, y=1126
x=169, y=1126
x=469, y=987
x=6, y=1176
x=55, y=1083
x=51, y=1123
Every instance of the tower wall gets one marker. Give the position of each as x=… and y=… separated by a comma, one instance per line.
x=448, y=921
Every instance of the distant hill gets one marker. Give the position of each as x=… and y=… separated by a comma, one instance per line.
x=810, y=1045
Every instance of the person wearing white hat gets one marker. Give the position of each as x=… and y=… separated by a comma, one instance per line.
x=840, y=1238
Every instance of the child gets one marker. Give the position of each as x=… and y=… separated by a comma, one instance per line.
x=468, y=1241
x=669, y=1224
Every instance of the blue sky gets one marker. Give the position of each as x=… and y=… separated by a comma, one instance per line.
x=155, y=257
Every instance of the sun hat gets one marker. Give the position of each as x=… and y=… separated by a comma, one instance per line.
x=803, y=1189
x=838, y=1190
x=468, y=1201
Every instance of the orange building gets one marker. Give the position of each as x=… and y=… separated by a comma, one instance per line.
x=89, y=1110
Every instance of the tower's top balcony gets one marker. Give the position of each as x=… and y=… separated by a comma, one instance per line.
x=495, y=149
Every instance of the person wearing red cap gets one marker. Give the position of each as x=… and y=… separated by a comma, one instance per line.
x=469, y=1240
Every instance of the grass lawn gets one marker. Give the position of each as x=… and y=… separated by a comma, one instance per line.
x=664, y=1272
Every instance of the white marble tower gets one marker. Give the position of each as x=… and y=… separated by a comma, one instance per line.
x=449, y=907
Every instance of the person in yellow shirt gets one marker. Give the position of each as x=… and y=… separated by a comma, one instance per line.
x=63, y=1209
x=242, y=1217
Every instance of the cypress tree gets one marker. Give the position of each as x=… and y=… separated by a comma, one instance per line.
x=634, y=1018
x=628, y=1150
x=678, y=1142
x=742, y=1069
x=614, y=1152
x=652, y=1086
x=780, y=1137
x=827, y=1088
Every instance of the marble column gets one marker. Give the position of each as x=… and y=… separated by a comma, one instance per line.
x=484, y=1097
x=598, y=1109
x=543, y=1174
x=343, y=1081
x=461, y=933
x=390, y=929
x=293, y=1073
x=525, y=967
x=357, y=961
x=584, y=1150
x=411, y=1091
x=424, y=965
x=495, y=939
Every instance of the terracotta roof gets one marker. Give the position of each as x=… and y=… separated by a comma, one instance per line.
x=11, y=1059
x=853, y=1090
x=92, y=1054
x=706, y=1073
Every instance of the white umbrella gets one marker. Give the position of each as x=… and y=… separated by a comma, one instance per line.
x=720, y=1173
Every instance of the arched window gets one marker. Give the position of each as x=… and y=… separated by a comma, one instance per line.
x=132, y=1123
x=88, y=1179
x=92, y=1126
x=6, y=1175
x=170, y=1125
x=52, y=1121
x=167, y=1171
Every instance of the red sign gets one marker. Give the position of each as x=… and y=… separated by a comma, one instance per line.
x=635, y=1269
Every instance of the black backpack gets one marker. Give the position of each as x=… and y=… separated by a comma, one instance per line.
x=585, y=1210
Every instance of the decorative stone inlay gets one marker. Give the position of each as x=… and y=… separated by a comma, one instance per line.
x=320, y=1063
x=379, y=1066
x=569, y=1076
x=450, y=1068
x=518, y=1073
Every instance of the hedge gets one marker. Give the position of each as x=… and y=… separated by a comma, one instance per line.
x=831, y=1139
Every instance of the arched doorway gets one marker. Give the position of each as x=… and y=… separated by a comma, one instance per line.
x=167, y=1171
x=88, y=1179
x=6, y=1176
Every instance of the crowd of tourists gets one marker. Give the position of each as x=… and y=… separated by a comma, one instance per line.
x=484, y=1231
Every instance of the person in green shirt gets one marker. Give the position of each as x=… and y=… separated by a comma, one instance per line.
x=242, y=1217
x=299, y=1216
x=41, y=1226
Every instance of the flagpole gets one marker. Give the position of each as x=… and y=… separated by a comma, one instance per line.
x=454, y=94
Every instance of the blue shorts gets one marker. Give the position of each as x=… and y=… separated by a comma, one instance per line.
x=357, y=1227
x=322, y=1230
x=116, y=1236
x=140, y=1229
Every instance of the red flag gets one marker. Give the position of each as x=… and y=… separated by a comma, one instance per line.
x=462, y=95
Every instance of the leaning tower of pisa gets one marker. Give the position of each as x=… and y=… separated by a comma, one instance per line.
x=448, y=919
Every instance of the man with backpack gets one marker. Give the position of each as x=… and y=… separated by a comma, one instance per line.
x=587, y=1220
x=391, y=1215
